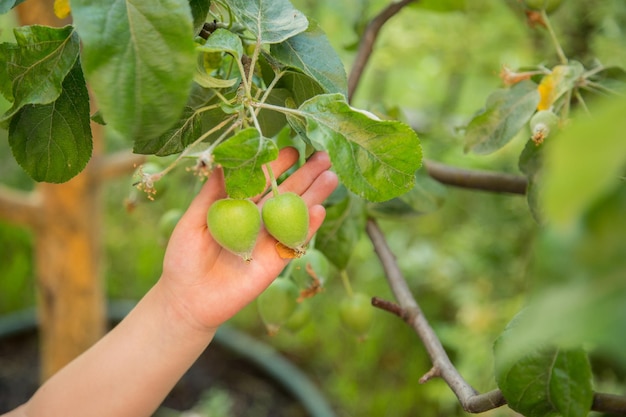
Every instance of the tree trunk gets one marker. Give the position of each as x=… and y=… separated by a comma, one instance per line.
x=71, y=300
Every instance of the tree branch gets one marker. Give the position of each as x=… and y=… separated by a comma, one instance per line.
x=476, y=180
x=368, y=39
x=409, y=310
x=412, y=314
x=20, y=207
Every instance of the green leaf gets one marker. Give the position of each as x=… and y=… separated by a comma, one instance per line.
x=208, y=81
x=174, y=140
x=242, y=156
x=507, y=111
x=199, y=13
x=342, y=228
x=426, y=196
x=584, y=162
x=37, y=65
x=375, y=159
x=311, y=53
x=272, y=122
x=271, y=21
x=530, y=163
x=547, y=381
x=302, y=87
x=139, y=57
x=6, y=5
x=223, y=40
x=52, y=142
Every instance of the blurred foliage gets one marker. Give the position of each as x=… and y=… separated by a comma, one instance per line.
x=467, y=263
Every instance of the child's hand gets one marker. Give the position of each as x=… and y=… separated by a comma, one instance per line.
x=205, y=283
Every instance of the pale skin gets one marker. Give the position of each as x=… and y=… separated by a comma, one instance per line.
x=130, y=370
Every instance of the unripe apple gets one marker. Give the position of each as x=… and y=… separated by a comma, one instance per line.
x=235, y=224
x=316, y=261
x=286, y=218
x=277, y=303
x=356, y=313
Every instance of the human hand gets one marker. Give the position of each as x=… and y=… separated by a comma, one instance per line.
x=207, y=284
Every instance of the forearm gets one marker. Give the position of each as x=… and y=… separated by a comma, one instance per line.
x=128, y=372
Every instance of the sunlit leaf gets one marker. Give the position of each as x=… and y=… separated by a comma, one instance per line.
x=37, y=65
x=223, y=40
x=375, y=159
x=271, y=21
x=242, y=156
x=52, y=142
x=311, y=53
x=507, y=111
x=139, y=57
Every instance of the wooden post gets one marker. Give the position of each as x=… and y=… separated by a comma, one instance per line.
x=71, y=300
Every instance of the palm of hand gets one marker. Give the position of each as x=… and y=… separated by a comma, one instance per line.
x=207, y=283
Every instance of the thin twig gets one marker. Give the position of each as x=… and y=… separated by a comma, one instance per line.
x=476, y=180
x=368, y=39
x=409, y=310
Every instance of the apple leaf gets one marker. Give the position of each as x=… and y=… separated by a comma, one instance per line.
x=546, y=382
x=6, y=5
x=342, y=228
x=242, y=156
x=52, y=142
x=139, y=57
x=223, y=40
x=311, y=53
x=271, y=21
x=174, y=140
x=507, y=111
x=374, y=159
x=37, y=65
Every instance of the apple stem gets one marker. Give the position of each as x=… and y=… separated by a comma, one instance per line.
x=345, y=279
x=270, y=172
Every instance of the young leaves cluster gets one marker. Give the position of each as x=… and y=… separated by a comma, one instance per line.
x=255, y=69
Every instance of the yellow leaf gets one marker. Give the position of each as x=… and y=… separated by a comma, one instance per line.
x=62, y=8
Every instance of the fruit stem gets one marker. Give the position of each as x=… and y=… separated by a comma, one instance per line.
x=345, y=279
x=555, y=41
x=273, y=182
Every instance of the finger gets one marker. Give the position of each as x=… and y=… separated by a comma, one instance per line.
x=321, y=188
x=211, y=191
x=301, y=180
x=287, y=157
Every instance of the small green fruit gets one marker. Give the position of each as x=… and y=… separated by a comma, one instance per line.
x=542, y=124
x=356, y=313
x=277, y=303
x=318, y=263
x=286, y=217
x=235, y=224
x=168, y=222
x=300, y=317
